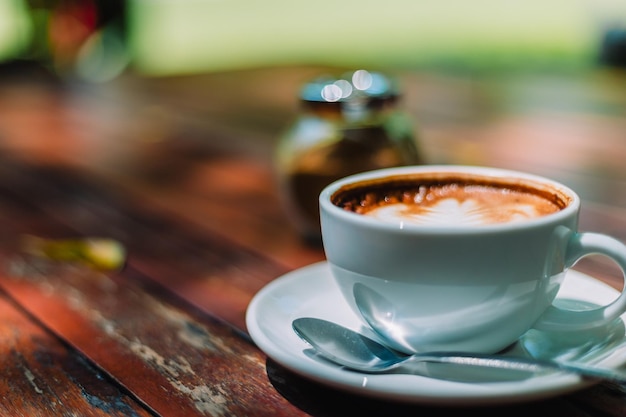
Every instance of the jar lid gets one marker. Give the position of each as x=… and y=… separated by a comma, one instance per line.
x=361, y=86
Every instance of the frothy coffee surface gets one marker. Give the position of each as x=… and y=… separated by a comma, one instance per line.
x=449, y=203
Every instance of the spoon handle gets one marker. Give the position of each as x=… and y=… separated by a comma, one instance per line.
x=520, y=364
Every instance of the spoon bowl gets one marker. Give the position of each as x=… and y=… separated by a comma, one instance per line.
x=358, y=352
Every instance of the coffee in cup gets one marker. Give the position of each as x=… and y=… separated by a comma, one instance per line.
x=452, y=201
x=458, y=257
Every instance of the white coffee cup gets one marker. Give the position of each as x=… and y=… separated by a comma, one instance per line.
x=454, y=281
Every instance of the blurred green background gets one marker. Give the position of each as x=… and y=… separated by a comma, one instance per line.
x=99, y=39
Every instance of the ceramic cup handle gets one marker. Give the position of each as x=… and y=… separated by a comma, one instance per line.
x=579, y=246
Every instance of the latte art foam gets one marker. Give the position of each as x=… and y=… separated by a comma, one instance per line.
x=450, y=211
x=451, y=204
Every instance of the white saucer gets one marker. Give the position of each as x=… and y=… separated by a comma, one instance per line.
x=311, y=291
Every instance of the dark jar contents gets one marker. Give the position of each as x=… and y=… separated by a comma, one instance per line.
x=346, y=125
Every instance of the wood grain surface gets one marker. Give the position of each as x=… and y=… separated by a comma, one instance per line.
x=180, y=171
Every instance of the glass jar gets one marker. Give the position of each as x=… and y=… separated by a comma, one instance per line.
x=346, y=125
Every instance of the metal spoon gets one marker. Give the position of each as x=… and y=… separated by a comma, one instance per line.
x=358, y=352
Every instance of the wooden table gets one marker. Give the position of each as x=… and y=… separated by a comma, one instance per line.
x=180, y=171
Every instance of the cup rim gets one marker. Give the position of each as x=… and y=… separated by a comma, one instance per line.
x=482, y=171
